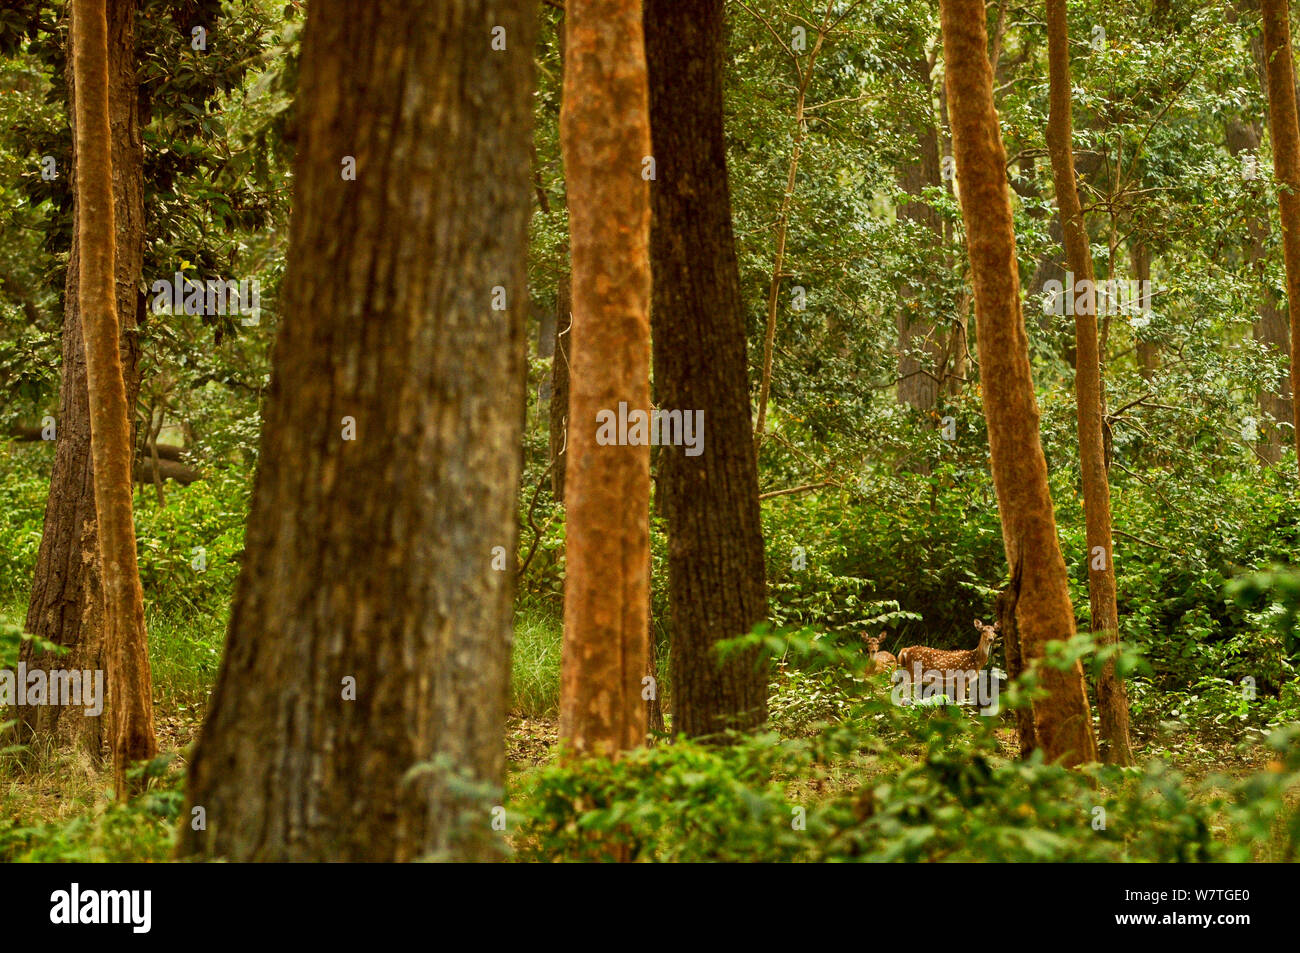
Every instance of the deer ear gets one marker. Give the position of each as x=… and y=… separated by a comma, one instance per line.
x=997, y=626
x=978, y=625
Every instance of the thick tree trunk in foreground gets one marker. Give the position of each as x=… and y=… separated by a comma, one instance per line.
x=1285, y=132
x=370, y=632
x=66, y=601
x=605, y=133
x=1062, y=720
x=1112, y=700
x=130, y=688
x=715, y=542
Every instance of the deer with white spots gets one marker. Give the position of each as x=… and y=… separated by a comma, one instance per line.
x=956, y=669
x=878, y=661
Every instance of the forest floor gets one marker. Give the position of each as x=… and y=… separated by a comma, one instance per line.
x=63, y=796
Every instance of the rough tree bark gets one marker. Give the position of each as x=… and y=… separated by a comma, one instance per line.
x=921, y=346
x=1112, y=699
x=360, y=709
x=605, y=134
x=130, y=688
x=1062, y=721
x=66, y=601
x=715, y=542
x=1285, y=132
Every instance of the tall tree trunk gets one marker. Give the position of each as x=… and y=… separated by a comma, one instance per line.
x=1285, y=132
x=66, y=605
x=605, y=134
x=1006, y=621
x=370, y=632
x=559, y=406
x=1062, y=721
x=130, y=687
x=921, y=349
x=715, y=553
x=1148, y=352
x=804, y=75
x=1112, y=700
x=1271, y=329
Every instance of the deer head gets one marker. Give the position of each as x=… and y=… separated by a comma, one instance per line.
x=988, y=638
x=873, y=642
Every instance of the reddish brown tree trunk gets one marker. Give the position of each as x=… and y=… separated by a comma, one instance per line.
x=130, y=687
x=1285, y=132
x=1062, y=720
x=605, y=133
x=360, y=709
x=715, y=550
x=1112, y=700
x=66, y=601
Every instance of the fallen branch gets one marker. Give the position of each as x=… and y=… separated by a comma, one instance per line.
x=795, y=489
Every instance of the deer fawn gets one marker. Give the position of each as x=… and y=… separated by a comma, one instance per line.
x=916, y=661
x=878, y=661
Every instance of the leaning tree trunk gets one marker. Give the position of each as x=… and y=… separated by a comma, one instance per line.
x=66, y=601
x=605, y=132
x=360, y=709
x=1285, y=131
x=715, y=541
x=1112, y=699
x=130, y=688
x=1062, y=721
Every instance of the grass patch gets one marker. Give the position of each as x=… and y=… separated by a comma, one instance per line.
x=535, y=668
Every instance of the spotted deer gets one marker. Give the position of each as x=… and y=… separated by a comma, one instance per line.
x=918, y=662
x=878, y=661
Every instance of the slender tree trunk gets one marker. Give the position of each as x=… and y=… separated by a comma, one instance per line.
x=805, y=75
x=921, y=348
x=1062, y=721
x=559, y=407
x=1006, y=620
x=1148, y=352
x=360, y=709
x=130, y=688
x=959, y=335
x=1112, y=700
x=715, y=554
x=605, y=133
x=1285, y=132
x=66, y=602
x=1271, y=328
